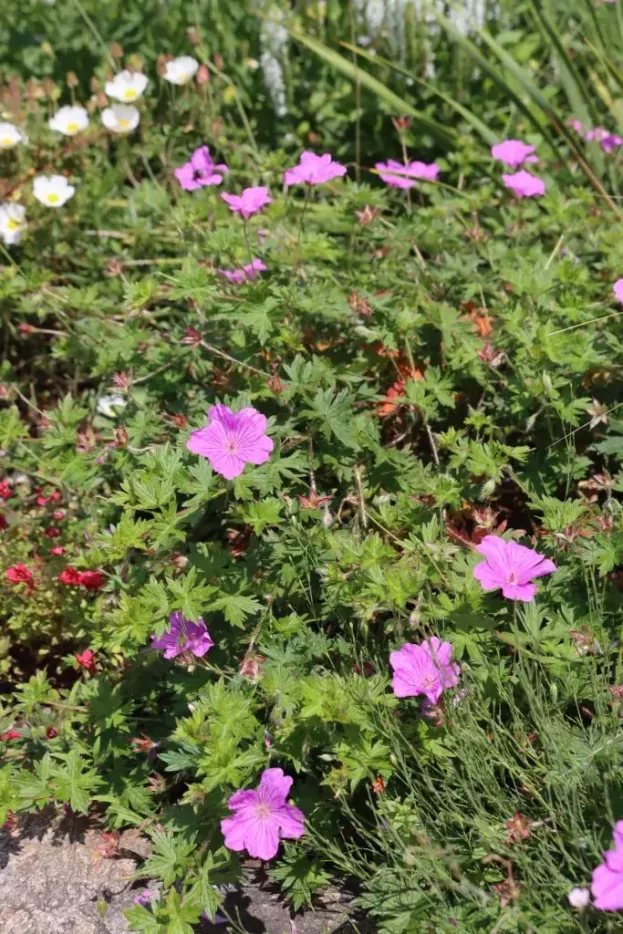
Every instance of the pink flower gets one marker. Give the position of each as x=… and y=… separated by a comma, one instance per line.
x=576, y=125
x=403, y=176
x=618, y=290
x=200, y=171
x=250, y=271
x=249, y=202
x=511, y=567
x=314, y=170
x=232, y=439
x=263, y=817
x=183, y=636
x=513, y=153
x=424, y=669
x=524, y=185
x=607, y=885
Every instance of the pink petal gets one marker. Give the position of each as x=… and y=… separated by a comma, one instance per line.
x=523, y=592
x=243, y=799
x=236, y=832
x=489, y=577
x=607, y=889
x=291, y=821
x=262, y=838
x=228, y=465
x=274, y=788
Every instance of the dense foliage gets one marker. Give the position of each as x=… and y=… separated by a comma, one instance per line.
x=436, y=365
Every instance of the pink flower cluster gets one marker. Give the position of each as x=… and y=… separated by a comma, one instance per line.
x=263, y=817
x=514, y=153
x=232, y=439
x=200, y=171
x=314, y=170
x=511, y=568
x=607, y=140
x=250, y=271
x=424, y=669
x=397, y=175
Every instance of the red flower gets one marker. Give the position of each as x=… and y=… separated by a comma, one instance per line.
x=10, y=734
x=53, y=497
x=58, y=515
x=51, y=732
x=91, y=580
x=86, y=659
x=52, y=532
x=57, y=550
x=20, y=574
x=70, y=577
x=378, y=785
x=5, y=490
x=3, y=523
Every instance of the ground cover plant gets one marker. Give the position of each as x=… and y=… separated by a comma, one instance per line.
x=311, y=446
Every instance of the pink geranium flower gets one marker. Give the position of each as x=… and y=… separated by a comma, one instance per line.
x=314, y=170
x=607, y=885
x=262, y=818
x=511, y=567
x=183, y=636
x=576, y=125
x=618, y=289
x=424, y=669
x=513, y=153
x=249, y=202
x=200, y=171
x=232, y=439
x=250, y=271
x=607, y=140
x=403, y=176
x=524, y=185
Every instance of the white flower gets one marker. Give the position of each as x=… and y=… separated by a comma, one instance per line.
x=12, y=222
x=10, y=136
x=126, y=86
x=106, y=405
x=579, y=898
x=52, y=190
x=181, y=70
x=121, y=118
x=69, y=120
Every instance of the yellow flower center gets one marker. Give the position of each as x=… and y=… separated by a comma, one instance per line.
x=124, y=124
x=7, y=141
x=12, y=224
x=72, y=127
x=129, y=94
x=53, y=198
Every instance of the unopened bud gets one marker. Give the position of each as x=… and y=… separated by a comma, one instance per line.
x=72, y=79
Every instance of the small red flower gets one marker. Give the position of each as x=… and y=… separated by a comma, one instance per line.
x=51, y=732
x=86, y=659
x=10, y=734
x=58, y=515
x=25, y=328
x=57, y=550
x=3, y=523
x=52, y=497
x=6, y=492
x=70, y=577
x=20, y=574
x=91, y=580
x=52, y=532
x=378, y=785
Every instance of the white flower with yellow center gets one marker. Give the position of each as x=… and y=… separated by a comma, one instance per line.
x=181, y=70
x=121, y=118
x=12, y=222
x=52, y=190
x=69, y=120
x=127, y=86
x=10, y=136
